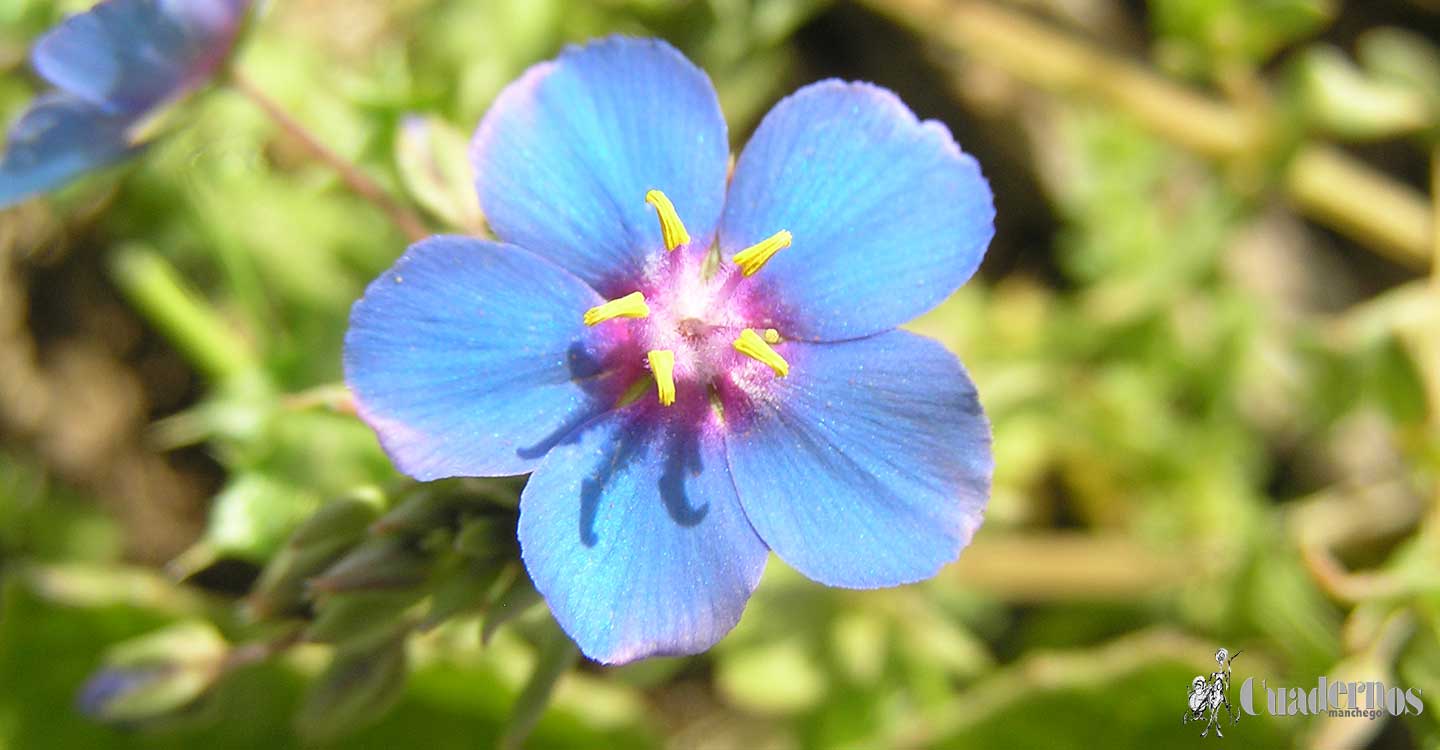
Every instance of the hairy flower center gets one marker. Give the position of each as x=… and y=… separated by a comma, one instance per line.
x=692, y=328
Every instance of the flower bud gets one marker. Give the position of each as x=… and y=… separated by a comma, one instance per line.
x=431, y=156
x=375, y=565
x=358, y=687
x=362, y=618
x=486, y=537
x=461, y=588
x=155, y=675
x=314, y=546
x=343, y=521
x=442, y=504
x=426, y=509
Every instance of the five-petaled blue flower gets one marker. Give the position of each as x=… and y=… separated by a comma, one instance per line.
x=743, y=388
x=113, y=67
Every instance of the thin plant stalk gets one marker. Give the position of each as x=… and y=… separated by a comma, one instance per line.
x=356, y=180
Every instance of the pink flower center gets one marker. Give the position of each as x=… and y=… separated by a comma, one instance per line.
x=694, y=317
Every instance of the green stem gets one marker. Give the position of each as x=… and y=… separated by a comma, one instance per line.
x=1341, y=191
x=154, y=286
x=557, y=656
x=360, y=183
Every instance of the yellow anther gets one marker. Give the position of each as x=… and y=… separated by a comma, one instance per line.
x=772, y=336
x=662, y=366
x=631, y=305
x=754, y=258
x=671, y=228
x=751, y=345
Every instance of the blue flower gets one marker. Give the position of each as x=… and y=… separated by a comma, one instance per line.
x=113, y=67
x=695, y=375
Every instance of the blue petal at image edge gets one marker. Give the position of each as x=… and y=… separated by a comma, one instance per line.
x=869, y=465
x=470, y=358
x=56, y=140
x=127, y=56
x=632, y=532
x=883, y=208
x=566, y=154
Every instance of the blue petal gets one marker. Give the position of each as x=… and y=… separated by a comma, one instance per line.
x=57, y=140
x=469, y=358
x=114, y=684
x=869, y=465
x=566, y=154
x=633, y=534
x=888, y=215
x=130, y=55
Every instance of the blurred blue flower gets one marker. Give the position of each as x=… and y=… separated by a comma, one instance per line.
x=692, y=391
x=113, y=67
x=108, y=685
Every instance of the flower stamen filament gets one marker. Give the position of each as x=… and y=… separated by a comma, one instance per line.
x=672, y=230
x=753, y=258
x=662, y=366
x=751, y=345
x=631, y=305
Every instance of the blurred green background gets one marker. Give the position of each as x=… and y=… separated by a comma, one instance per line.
x=1206, y=335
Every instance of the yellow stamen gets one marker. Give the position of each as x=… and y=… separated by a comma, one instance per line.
x=751, y=345
x=631, y=305
x=671, y=228
x=662, y=366
x=772, y=336
x=754, y=258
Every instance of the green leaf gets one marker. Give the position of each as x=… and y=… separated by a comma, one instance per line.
x=776, y=677
x=1346, y=101
x=1407, y=60
x=250, y=519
